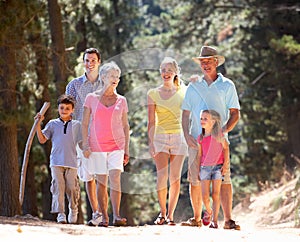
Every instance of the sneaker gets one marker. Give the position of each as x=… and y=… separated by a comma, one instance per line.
x=192, y=222
x=61, y=218
x=72, y=217
x=206, y=218
x=96, y=219
x=213, y=225
x=231, y=225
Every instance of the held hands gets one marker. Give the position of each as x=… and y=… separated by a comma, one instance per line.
x=86, y=152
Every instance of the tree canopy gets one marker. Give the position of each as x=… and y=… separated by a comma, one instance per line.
x=41, y=43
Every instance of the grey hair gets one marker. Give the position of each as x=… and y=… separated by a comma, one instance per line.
x=107, y=67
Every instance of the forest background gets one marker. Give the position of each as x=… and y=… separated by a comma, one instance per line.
x=41, y=45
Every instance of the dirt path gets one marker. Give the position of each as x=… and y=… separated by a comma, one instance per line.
x=23, y=229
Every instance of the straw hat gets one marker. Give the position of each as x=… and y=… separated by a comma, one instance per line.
x=207, y=52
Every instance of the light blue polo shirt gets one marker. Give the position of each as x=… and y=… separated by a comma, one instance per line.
x=220, y=96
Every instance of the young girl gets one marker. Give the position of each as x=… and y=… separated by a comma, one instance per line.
x=214, y=161
x=167, y=145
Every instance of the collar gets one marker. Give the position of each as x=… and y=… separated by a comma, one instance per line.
x=85, y=79
x=65, y=124
x=219, y=78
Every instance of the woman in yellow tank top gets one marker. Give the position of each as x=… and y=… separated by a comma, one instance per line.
x=167, y=145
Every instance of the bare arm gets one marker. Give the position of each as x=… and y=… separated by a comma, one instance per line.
x=126, y=132
x=190, y=140
x=41, y=137
x=232, y=121
x=151, y=125
x=84, y=129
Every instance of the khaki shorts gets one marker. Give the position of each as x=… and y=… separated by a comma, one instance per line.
x=173, y=144
x=193, y=167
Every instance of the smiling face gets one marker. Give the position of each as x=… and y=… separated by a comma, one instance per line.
x=65, y=110
x=91, y=62
x=206, y=121
x=209, y=65
x=167, y=72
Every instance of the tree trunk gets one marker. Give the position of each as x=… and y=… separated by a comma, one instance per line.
x=9, y=173
x=58, y=46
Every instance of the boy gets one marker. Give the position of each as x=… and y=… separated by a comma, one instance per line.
x=64, y=133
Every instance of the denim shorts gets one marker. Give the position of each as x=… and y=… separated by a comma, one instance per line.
x=211, y=173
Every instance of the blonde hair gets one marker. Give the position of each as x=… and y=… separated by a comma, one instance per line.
x=169, y=60
x=216, y=131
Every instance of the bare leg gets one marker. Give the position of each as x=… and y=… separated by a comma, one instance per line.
x=226, y=200
x=205, y=185
x=161, y=161
x=176, y=163
x=216, y=187
x=196, y=200
x=102, y=196
x=115, y=192
x=91, y=189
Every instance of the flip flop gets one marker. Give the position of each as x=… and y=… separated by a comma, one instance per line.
x=120, y=222
x=160, y=220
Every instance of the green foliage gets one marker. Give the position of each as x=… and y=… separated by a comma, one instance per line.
x=261, y=43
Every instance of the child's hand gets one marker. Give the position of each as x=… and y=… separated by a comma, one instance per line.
x=194, y=78
x=87, y=153
x=126, y=159
x=39, y=117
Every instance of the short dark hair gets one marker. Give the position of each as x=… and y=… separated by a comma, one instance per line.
x=66, y=99
x=92, y=51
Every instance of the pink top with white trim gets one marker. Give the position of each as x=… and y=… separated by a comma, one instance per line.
x=212, y=151
x=106, y=132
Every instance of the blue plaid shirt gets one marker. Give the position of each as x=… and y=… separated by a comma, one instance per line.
x=79, y=88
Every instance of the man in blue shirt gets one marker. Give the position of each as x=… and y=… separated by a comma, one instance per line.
x=212, y=91
x=78, y=88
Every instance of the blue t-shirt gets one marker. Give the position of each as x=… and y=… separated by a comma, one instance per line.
x=64, y=137
x=220, y=96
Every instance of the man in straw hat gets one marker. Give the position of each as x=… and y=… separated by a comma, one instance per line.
x=211, y=91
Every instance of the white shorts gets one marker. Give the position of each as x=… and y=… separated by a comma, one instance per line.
x=100, y=163
x=82, y=171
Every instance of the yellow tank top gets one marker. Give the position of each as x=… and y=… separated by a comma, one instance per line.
x=167, y=111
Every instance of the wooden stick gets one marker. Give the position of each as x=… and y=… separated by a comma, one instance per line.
x=43, y=110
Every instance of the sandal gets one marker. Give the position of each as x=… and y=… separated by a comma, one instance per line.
x=160, y=220
x=103, y=224
x=192, y=222
x=120, y=222
x=170, y=222
x=213, y=225
x=206, y=218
